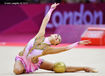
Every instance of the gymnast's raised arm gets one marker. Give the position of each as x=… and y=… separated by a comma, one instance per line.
x=46, y=19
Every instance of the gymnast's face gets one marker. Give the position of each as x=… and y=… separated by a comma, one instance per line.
x=55, y=39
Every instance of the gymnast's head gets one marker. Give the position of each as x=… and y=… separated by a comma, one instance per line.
x=55, y=39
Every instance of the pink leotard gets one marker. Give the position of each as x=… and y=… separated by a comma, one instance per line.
x=26, y=60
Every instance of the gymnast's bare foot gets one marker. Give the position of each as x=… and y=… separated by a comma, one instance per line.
x=87, y=69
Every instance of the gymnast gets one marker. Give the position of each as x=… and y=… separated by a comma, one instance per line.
x=29, y=60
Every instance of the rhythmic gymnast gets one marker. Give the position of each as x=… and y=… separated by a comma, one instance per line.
x=29, y=60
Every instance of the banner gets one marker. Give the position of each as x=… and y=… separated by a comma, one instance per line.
x=27, y=19
x=87, y=14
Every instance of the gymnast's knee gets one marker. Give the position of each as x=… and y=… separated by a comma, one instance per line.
x=18, y=69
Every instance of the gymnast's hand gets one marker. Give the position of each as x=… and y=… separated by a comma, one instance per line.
x=53, y=6
x=84, y=42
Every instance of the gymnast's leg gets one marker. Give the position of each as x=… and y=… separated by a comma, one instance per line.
x=49, y=66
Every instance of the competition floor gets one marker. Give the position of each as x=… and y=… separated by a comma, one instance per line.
x=80, y=56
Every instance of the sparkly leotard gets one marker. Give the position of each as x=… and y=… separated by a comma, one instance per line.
x=26, y=61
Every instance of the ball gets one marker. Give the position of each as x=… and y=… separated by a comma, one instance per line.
x=59, y=67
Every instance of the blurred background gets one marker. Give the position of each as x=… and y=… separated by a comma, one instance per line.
x=20, y=20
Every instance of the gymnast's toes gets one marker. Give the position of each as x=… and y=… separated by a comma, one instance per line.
x=87, y=69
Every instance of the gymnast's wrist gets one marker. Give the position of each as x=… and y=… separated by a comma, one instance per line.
x=51, y=9
x=79, y=43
